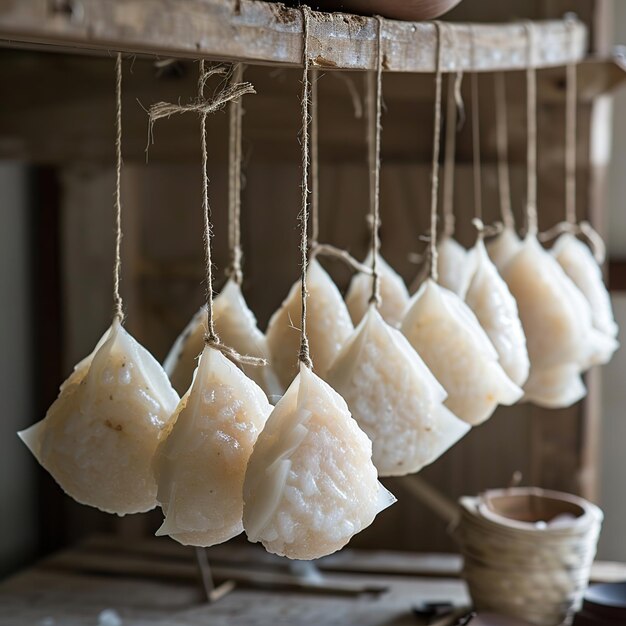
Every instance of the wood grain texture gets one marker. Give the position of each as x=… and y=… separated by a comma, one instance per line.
x=270, y=33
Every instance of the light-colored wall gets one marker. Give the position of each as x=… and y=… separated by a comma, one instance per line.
x=17, y=495
x=613, y=448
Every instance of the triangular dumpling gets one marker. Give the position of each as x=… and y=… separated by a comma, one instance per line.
x=393, y=292
x=236, y=327
x=200, y=465
x=579, y=264
x=503, y=247
x=557, y=323
x=491, y=301
x=455, y=266
x=310, y=483
x=328, y=325
x=99, y=436
x=447, y=335
x=394, y=398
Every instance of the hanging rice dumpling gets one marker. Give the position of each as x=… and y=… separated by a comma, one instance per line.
x=394, y=398
x=200, y=464
x=393, y=292
x=99, y=436
x=328, y=325
x=446, y=334
x=310, y=484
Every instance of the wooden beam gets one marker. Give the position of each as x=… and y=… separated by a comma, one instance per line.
x=270, y=33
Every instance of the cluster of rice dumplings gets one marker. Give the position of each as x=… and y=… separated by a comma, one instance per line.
x=99, y=436
x=310, y=483
x=394, y=398
x=328, y=325
x=558, y=322
x=393, y=292
x=236, y=326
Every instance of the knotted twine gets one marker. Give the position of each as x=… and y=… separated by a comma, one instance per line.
x=531, y=121
x=375, y=98
x=455, y=116
x=234, y=270
x=504, y=185
x=478, y=200
x=434, y=181
x=203, y=107
x=570, y=225
x=316, y=248
x=304, y=355
x=118, y=306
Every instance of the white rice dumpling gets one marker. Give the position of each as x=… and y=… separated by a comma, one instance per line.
x=394, y=398
x=503, y=247
x=446, y=334
x=236, y=327
x=393, y=292
x=200, y=464
x=491, y=301
x=99, y=436
x=328, y=325
x=310, y=483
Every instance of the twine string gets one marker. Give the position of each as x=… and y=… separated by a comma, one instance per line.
x=118, y=305
x=571, y=88
x=434, y=182
x=315, y=220
x=454, y=115
x=531, y=145
x=305, y=355
x=204, y=107
x=374, y=117
x=502, y=146
x=234, y=270
x=478, y=200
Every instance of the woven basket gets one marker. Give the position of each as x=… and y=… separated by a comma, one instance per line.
x=515, y=566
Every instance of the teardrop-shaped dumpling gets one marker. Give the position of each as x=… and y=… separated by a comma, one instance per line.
x=491, y=301
x=393, y=292
x=328, y=325
x=503, y=247
x=200, y=465
x=394, y=398
x=579, y=264
x=455, y=266
x=447, y=335
x=99, y=436
x=310, y=483
x=236, y=327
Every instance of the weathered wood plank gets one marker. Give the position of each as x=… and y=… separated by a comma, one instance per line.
x=269, y=33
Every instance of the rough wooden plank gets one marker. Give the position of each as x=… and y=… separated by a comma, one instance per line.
x=270, y=33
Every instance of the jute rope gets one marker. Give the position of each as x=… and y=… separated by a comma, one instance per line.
x=118, y=305
x=434, y=181
x=375, y=129
x=315, y=167
x=476, y=166
x=531, y=145
x=203, y=107
x=305, y=355
x=454, y=117
x=234, y=270
x=315, y=247
x=502, y=145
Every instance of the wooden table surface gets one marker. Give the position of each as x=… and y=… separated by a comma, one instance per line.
x=155, y=581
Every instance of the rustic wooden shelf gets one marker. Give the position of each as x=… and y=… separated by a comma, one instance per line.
x=270, y=33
